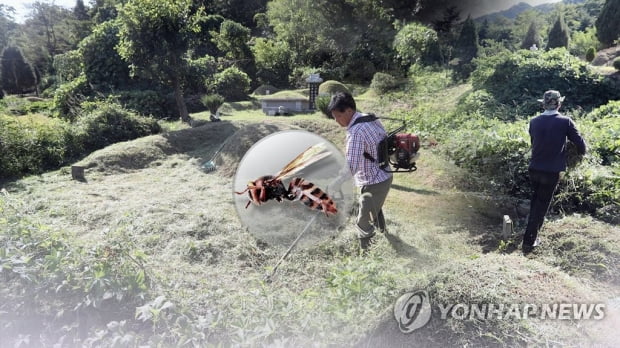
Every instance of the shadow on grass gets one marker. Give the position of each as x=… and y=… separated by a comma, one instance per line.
x=402, y=248
x=409, y=189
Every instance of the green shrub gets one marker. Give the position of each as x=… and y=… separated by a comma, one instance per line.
x=331, y=87
x=609, y=110
x=146, y=102
x=383, y=83
x=69, y=96
x=31, y=144
x=519, y=79
x=212, y=102
x=106, y=123
x=590, y=54
x=197, y=72
x=231, y=83
x=322, y=102
x=616, y=63
x=496, y=150
x=23, y=106
x=50, y=284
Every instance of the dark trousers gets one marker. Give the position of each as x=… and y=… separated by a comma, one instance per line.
x=543, y=187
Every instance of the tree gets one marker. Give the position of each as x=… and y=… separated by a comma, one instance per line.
x=232, y=40
x=6, y=24
x=155, y=35
x=103, y=66
x=273, y=61
x=607, y=23
x=81, y=22
x=531, y=37
x=466, y=49
x=17, y=76
x=558, y=35
x=413, y=42
x=45, y=33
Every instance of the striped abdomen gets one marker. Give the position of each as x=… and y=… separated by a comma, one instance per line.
x=310, y=195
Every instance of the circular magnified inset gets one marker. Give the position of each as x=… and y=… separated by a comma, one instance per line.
x=290, y=182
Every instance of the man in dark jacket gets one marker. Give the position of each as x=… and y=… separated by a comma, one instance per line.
x=548, y=133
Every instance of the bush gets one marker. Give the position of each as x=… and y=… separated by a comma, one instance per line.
x=331, y=87
x=231, y=83
x=322, y=102
x=609, y=110
x=497, y=150
x=383, y=83
x=69, y=96
x=616, y=63
x=519, y=79
x=590, y=54
x=106, y=123
x=146, y=102
x=32, y=144
x=212, y=102
x=197, y=72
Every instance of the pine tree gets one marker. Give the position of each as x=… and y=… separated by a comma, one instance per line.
x=608, y=23
x=16, y=76
x=558, y=35
x=80, y=12
x=466, y=49
x=532, y=37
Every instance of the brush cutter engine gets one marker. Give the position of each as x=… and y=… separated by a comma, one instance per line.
x=399, y=150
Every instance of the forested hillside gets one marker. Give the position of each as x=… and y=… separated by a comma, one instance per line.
x=147, y=249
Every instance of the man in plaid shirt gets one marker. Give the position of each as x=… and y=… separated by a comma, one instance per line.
x=361, y=152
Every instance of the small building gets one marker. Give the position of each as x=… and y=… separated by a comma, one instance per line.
x=284, y=105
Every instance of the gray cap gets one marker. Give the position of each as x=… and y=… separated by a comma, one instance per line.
x=551, y=99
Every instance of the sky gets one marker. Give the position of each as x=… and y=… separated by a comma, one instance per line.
x=432, y=9
x=21, y=9
x=474, y=7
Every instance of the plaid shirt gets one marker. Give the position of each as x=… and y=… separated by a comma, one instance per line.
x=364, y=137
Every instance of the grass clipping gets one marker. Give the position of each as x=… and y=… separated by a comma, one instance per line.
x=503, y=281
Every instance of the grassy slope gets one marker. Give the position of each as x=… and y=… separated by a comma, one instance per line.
x=151, y=195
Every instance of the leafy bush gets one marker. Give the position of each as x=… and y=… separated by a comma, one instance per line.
x=500, y=152
x=146, y=102
x=497, y=150
x=383, y=83
x=23, y=106
x=69, y=96
x=197, y=72
x=49, y=286
x=322, y=102
x=212, y=102
x=520, y=78
x=331, y=87
x=103, y=66
x=590, y=54
x=31, y=144
x=106, y=123
x=413, y=42
x=616, y=63
x=611, y=110
x=232, y=83
x=68, y=65
x=273, y=60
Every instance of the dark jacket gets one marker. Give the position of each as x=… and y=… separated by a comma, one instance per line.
x=548, y=133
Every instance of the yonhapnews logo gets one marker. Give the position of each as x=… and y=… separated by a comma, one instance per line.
x=412, y=311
